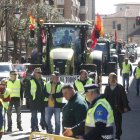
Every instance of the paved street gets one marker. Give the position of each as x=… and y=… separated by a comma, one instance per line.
x=131, y=120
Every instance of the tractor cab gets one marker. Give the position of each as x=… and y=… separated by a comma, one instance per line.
x=66, y=43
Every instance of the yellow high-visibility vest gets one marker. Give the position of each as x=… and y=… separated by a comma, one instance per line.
x=14, y=88
x=33, y=88
x=90, y=121
x=48, y=89
x=137, y=73
x=6, y=94
x=125, y=68
x=79, y=85
x=2, y=129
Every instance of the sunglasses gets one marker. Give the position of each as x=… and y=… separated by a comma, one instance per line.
x=13, y=74
x=39, y=72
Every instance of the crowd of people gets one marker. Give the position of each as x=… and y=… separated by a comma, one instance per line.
x=87, y=114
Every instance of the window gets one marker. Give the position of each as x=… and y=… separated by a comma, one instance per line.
x=82, y=3
x=114, y=25
x=118, y=26
x=61, y=10
x=134, y=26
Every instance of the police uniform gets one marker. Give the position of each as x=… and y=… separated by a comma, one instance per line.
x=99, y=120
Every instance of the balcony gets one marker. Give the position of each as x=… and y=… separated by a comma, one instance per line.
x=59, y=2
x=83, y=9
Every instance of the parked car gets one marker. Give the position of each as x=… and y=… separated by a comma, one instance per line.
x=5, y=68
x=21, y=70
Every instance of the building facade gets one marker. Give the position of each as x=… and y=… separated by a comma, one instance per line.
x=123, y=21
x=68, y=8
x=90, y=10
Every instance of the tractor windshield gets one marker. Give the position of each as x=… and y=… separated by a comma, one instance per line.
x=65, y=37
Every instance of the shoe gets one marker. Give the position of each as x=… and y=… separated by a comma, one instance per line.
x=9, y=130
x=117, y=139
x=42, y=126
x=37, y=129
x=20, y=128
x=32, y=130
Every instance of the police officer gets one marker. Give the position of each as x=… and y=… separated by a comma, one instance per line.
x=15, y=91
x=99, y=120
x=53, y=102
x=34, y=90
x=126, y=72
x=81, y=81
x=136, y=74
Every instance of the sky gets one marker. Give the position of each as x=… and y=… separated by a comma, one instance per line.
x=107, y=6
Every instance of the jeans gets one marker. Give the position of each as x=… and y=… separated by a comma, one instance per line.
x=42, y=120
x=16, y=104
x=34, y=120
x=125, y=78
x=137, y=85
x=49, y=111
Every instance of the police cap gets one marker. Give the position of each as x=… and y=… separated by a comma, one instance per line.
x=90, y=87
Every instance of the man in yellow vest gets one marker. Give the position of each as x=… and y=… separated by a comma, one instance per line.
x=136, y=74
x=1, y=118
x=34, y=90
x=126, y=72
x=53, y=102
x=15, y=91
x=81, y=81
x=98, y=124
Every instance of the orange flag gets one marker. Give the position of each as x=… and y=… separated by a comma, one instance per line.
x=99, y=25
x=97, y=31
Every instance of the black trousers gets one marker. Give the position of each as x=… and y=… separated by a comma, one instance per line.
x=17, y=106
x=118, y=123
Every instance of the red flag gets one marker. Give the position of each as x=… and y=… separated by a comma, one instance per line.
x=97, y=31
x=43, y=37
x=94, y=39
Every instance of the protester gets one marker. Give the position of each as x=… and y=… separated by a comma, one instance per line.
x=15, y=91
x=75, y=110
x=34, y=90
x=136, y=74
x=126, y=72
x=53, y=102
x=116, y=96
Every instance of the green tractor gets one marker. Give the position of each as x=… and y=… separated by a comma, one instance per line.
x=66, y=51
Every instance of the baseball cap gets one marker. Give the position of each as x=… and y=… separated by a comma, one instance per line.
x=56, y=73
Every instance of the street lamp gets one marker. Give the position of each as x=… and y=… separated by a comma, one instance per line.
x=17, y=13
